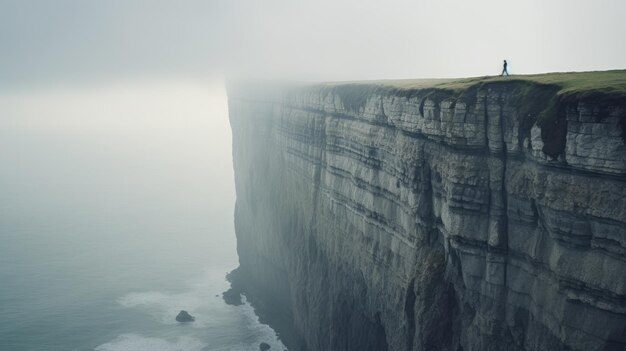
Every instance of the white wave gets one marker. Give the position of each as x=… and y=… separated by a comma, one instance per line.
x=135, y=342
x=199, y=300
x=210, y=311
x=263, y=331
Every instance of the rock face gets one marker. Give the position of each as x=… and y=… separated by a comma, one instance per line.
x=184, y=317
x=380, y=220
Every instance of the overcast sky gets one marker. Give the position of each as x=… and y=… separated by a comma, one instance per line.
x=74, y=41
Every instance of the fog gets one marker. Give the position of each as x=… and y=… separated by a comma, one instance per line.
x=71, y=41
x=92, y=91
x=145, y=166
x=116, y=212
x=116, y=179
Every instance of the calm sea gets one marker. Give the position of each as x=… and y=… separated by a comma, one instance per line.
x=116, y=212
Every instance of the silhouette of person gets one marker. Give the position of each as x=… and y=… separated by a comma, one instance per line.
x=504, y=69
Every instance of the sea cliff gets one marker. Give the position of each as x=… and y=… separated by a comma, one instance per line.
x=475, y=214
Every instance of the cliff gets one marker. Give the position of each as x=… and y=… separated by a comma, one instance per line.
x=476, y=214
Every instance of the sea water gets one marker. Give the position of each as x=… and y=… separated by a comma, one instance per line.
x=116, y=212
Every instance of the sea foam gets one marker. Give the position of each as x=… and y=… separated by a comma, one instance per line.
x=211, y=314
x=135, y=342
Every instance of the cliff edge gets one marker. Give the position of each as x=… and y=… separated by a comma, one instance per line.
x=473, y=214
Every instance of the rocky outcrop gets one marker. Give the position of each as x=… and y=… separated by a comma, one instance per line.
x=184, y=317
x=385, y=219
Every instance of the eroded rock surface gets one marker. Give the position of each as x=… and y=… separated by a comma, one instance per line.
x=407, y=222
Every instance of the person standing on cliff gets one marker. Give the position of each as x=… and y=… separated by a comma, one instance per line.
x=504, y=69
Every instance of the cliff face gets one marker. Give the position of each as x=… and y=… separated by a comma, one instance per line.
x=376, y=219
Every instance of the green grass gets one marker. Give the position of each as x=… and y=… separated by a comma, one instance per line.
x=579, y=85
x=608, y=82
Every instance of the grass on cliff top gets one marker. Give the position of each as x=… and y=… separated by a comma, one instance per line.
x=568, y=83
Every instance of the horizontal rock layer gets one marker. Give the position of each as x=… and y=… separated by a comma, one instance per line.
x=379, y=220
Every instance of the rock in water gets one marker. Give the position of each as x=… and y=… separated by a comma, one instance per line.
x=264, y=346
x=184, y=317
x=232, y=297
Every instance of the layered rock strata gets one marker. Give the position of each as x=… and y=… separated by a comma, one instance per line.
x=381, y=219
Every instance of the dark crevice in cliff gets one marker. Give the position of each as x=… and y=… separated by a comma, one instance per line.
x=409, y=312
x=485, y=126
x=503, y=240
x=553, y=134
x=435, y=96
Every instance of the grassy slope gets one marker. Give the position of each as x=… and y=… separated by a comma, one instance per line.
x=607, y=82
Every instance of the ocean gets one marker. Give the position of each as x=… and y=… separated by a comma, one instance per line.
x=116, y=212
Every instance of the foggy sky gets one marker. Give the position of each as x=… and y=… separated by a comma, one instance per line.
x=73, y=41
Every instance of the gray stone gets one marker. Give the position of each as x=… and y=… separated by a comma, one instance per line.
x=184, y=317
x=407, y=223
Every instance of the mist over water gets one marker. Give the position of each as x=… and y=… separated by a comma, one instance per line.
x=116, y=212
